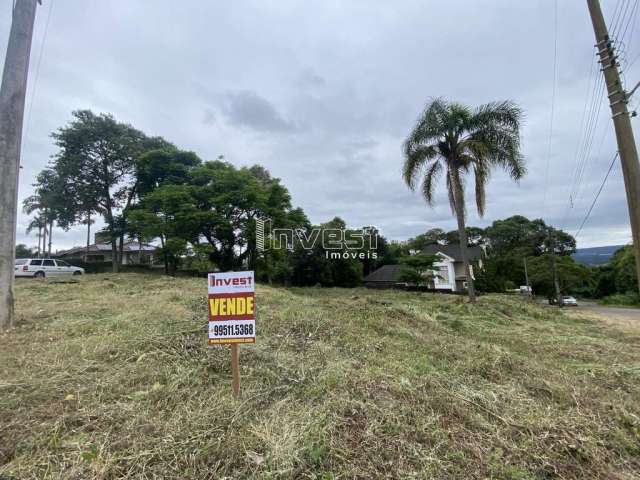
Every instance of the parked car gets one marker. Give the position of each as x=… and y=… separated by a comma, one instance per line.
x=44, y=267
x=566, y=301
x=525, y=290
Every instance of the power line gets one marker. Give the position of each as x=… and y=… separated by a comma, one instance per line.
x=594, y=100
x=613, y=161
x=591, y=135
x=622, y=16
x=632, y=62
x=37, y=72
x=632, y=16
x=617, y=17
x=633, y=30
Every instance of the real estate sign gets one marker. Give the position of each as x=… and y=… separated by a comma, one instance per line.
x=232, y=308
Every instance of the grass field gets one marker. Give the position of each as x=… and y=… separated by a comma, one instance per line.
x=111, y=378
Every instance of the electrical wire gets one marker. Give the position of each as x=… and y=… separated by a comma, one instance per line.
x=632, y=17
x=37, y=72
x=622, y=16
x=604, y=181
x=617, y=17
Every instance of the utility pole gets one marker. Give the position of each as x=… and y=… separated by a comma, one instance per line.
x=554, y=267
x=526, y=277
x=618, y=99
x=556, y=283
x=12, y=96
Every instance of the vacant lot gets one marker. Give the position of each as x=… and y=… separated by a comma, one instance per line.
x=112, y=378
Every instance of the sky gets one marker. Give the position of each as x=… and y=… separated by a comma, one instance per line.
x=323, y=93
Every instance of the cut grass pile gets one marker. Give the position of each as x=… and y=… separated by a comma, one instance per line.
x=111, y=378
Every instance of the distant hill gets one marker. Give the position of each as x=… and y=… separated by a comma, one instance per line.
x=595, y=255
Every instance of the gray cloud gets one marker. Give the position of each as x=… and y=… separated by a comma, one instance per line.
x=247, y=109
x=309, y=79
x=323, y=93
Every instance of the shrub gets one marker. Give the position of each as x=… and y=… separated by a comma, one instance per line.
x=626, y=299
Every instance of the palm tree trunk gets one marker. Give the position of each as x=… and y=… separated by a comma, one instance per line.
x=44, y=239
x=462, y=232
x=50, y=235
x=39, y=238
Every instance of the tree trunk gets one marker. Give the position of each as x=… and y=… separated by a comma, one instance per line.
x=115, y=265
x=50, y=235
x=121, y=248
x=86, y=253
x=44, y=239
x=39, y=239
x=462, y=232
x=114, y=255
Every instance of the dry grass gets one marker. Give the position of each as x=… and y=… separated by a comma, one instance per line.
x=111, y=378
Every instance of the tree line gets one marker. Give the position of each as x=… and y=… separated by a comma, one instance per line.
x=202, y=213
x=509, y=243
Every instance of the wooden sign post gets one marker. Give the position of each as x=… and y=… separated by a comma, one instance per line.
x=235, y=369
x=232, y=315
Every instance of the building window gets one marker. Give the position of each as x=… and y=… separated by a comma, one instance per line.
x=443, y=275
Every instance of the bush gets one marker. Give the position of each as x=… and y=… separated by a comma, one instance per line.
x=630, y=299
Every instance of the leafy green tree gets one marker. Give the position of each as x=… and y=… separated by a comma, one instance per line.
x=510, y=241
x=98, y=156
x=276, y=264
x=419, y=242
x=475, y=236
x=571, y=275
x=391, y=252
x=167, y=213
x=454, y=139
x=22, y=251
x=168, y=166
x=529, y=237
x=624, y=270
x=417, y=269
x=229, y=201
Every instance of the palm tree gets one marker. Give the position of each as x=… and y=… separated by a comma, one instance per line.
x=34, y=204
x=88, y=221
x=39, y=224
x=452, y=138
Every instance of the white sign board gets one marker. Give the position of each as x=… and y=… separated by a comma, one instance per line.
x=232, y=307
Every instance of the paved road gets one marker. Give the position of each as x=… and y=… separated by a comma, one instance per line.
x=623, y=312
x=626, y=317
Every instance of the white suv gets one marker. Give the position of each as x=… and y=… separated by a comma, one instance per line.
x=44, y=267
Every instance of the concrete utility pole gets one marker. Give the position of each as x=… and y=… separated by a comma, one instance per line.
x=12, y=95
x=618, y=99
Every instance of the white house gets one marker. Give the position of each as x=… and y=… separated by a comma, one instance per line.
x=449, y=271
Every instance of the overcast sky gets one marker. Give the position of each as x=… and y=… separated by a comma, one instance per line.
x=322, y=93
